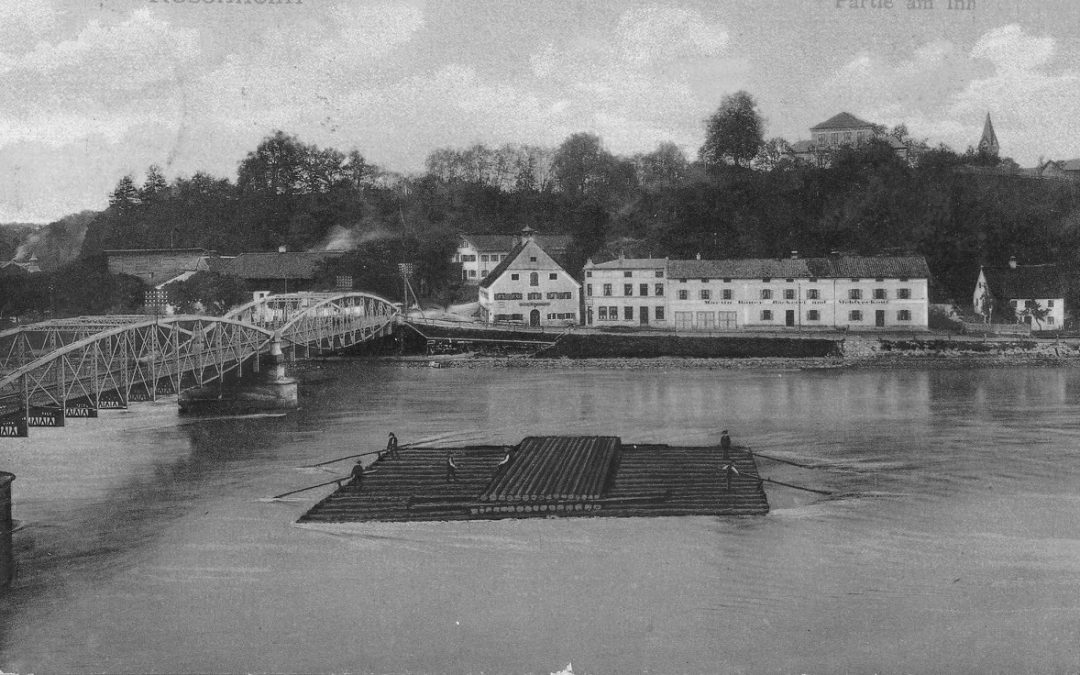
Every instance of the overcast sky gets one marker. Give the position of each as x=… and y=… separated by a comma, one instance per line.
x=90, y=91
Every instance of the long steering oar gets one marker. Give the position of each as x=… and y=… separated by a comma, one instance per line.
x=797, y=487
x=787, y=461
x=374, y=452
x=339, y=459
x=310, y=487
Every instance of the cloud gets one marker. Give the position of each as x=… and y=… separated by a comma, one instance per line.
x=658, y=33
x=653, y=77
x=1012, y=50
x=126, y=56
x=22, y=21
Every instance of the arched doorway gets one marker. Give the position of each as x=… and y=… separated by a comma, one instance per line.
x=534, y=317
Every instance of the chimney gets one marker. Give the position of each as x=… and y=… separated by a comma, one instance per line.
x=527, y=234
x=794, y=255
x=1012, y=262
x=282, y=249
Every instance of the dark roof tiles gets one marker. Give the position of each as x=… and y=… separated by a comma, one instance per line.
x=842, y=120
x=1026, y=282
x=287, y=265
x=831, y=267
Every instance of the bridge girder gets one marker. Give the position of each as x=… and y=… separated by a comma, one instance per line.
x=49, y=364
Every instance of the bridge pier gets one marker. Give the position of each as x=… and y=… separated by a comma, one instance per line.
x=7, y=525
x=270, y=390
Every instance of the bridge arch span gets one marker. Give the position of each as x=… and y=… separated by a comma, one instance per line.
x=116, y=359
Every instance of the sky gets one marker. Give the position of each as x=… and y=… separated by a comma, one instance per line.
x=91, y=91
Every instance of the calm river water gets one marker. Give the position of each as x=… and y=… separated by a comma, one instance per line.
x=952, y=544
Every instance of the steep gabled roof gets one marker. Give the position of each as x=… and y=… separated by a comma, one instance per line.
x=842, y=120
x=516, y=252
x=1026, y=282
x=493, y=275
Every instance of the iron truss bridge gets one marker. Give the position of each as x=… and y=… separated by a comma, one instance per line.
x=74, y=367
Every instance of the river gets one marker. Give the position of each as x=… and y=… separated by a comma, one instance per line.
x=951, y=543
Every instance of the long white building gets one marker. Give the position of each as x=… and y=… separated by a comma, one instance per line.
x=835, y=292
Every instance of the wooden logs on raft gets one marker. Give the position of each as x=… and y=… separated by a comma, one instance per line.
x=555, y=468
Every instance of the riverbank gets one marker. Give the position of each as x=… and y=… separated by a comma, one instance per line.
x=845, y=351
x=894, y=361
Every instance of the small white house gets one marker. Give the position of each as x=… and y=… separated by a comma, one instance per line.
x=529, y=287
x=1035, y=294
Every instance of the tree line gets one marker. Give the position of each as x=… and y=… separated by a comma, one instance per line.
x=741, y=196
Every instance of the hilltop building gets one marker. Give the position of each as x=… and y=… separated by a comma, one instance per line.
x=529, y=286
x=839, y=131
x=479, y=254
x=835, y=292
x=1028, y=290
x=1065, y=169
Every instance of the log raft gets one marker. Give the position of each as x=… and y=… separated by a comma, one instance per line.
x=549, y=476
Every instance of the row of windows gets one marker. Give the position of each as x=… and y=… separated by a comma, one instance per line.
x=629, y=274
x=854, y=315
x=612, y=313
x=509, y=317
x=553, y=295
x=791, y=280
x=628, y=290
x=534, y=277
x=789, y=294
x=563, y=315
x=708, y=320
x=494, y=257
x=1032, y=303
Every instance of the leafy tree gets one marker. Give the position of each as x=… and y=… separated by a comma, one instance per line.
x=1036, y=312
x=734, y=132
x=583, y=169
x=661, y=168
x=773, y=155
x=208, y=293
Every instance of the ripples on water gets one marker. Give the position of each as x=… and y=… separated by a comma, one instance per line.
x=950, y=544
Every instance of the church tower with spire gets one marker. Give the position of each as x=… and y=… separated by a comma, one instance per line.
x=988, y=144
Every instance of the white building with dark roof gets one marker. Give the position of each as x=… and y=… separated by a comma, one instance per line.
x=529, y=286
x=835, y=292
x=479, y=254
x=840, y=131
x=1035, y=294
x=626, y=292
